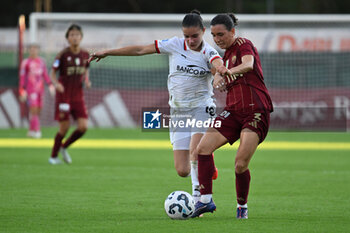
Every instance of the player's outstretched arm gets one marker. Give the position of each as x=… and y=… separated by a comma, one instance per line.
x=136, y=50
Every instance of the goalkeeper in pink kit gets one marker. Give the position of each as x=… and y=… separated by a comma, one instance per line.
x=33, y=73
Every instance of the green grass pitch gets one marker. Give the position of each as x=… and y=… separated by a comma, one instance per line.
x=123, y=190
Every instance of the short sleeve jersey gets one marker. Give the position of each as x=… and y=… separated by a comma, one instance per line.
x=72, y=68
x=248, y=92
x=190, y=79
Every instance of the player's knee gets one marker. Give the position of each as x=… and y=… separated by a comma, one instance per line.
x=241, y=166
x=63, y=131
x=202, y=150
x=183, y=172
x=83, y=128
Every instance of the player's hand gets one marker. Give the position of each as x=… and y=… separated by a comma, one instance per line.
x=97, y=56
x=227, y=73
x=223, y=70
x=22, y=96
x=87, y=83
x=219, y=82
x=59, y=87
x=231, y=78
x=52, y=90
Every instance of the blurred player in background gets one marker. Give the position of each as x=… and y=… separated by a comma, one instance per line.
x=72, y=64
x=33, y=73
x=245, y=117
x=189, y=85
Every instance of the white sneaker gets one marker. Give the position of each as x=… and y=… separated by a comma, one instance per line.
x=65, y=155
x=37, y=134
x=31, y=134
x=54, y=161
x=34, y=134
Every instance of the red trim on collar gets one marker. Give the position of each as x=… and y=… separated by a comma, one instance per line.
x=185, y=46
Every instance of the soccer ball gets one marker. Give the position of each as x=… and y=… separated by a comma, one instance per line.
x=179, y=205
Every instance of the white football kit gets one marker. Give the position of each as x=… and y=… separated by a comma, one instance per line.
x=189, y=85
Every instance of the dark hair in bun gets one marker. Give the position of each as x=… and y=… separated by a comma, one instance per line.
x=193, y=19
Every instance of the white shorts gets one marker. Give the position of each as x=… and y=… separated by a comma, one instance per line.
x=180, y=137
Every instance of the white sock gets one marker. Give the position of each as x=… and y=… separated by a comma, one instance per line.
x=242, y=206
x=194, y=178
x=206, y=198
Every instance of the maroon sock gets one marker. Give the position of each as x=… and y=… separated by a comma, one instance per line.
x=73, y=137
x=56, y=145
x=242, y=187
x=205, y=173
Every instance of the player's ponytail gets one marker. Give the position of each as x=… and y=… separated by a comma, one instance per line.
x=229, y=20
x=234, y=19
x=193, y=19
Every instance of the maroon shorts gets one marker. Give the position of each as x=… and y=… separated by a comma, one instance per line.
x=77, y=109
x=232, y=124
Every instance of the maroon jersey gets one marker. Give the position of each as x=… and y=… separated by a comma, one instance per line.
x=248, y=92
x=72, y=68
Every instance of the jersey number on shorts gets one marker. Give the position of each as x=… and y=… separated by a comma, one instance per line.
x=225, y=114
x=256, y=120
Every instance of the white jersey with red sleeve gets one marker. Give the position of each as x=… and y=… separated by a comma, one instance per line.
x=190, y=78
